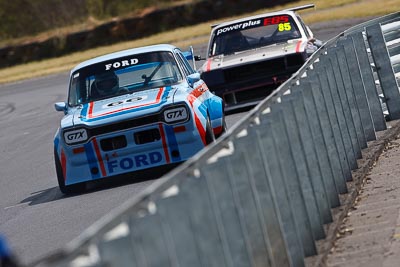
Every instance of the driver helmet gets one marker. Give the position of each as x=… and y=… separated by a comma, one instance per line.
x=106, y=83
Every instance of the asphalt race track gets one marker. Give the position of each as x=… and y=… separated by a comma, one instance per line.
x=34, y=216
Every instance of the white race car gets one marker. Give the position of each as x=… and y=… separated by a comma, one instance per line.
x=250, y=57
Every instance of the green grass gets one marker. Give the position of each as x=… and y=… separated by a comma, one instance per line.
x=183, y=37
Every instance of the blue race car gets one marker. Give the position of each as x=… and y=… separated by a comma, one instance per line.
x=130, y=111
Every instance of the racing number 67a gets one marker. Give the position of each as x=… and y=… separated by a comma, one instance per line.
x=284, y=27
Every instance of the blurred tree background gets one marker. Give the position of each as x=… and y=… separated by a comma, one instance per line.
x=20, y=18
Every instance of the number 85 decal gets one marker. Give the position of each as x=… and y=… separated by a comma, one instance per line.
x=284, y=27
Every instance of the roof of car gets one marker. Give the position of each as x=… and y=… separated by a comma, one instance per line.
x=289, y=11
x=123, y=53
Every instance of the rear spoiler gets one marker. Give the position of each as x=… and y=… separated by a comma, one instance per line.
x=299, y=8
x=288, y=9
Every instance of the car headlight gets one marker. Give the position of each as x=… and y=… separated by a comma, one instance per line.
x=177, y=114
x=75, y=136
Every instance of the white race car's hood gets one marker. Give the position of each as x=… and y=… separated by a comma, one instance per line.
x=123, y=107
x=262, y=53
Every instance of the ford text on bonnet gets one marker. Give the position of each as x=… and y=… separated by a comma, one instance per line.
x=130, y=111
x=250, y=57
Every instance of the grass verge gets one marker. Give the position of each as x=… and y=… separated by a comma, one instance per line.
x=191, y=35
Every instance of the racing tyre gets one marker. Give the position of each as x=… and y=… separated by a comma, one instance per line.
x=70, y=189
x=224, y=128
x=209, y=132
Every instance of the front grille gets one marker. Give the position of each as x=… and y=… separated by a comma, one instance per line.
x=151, y=119
x=147, y=136
x=123, y=125
x=253, y=82
x=254, y=93
x=113, y=143
x=295, y=60
x=267, y=68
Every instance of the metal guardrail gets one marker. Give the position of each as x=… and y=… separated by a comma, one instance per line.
x=261, y=194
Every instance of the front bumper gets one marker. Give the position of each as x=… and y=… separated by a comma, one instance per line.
x=129, y=151
x=249, y=83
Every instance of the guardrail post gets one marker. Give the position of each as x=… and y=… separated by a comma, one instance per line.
x=230, y=226
x=249, y=152
x=335, y=82
x=117, y=251
x=177, y=225
x=291, y=179
x=349, y=93
x=236, y=205
x=207, y=227
x=391, y=36
x=278, y=187
x=395, y=61
x=372, y=103
x=391, y=30
x=330, y=105
x=394, y=50
x=327, y=131
x=384, y=70
x=336, y=57
x=310, y=156
x=148, y=239
x=320, y=146
x=297, y=151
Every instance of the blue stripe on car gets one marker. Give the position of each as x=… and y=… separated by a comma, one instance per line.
x=56, y=142
x=172, y=142
x=92, y=160
x=84, y=110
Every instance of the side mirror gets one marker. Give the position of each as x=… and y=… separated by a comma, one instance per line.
x=193, y=78
x=60, y=106
x=189, y=55
x=316, y=42
x=198, y=58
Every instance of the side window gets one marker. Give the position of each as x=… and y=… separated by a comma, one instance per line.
x=78, y=91
x=304, y=27
x=185, y=66
x=188, y=66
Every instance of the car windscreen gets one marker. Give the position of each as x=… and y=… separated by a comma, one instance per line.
x=253, y=34
x=123, y=76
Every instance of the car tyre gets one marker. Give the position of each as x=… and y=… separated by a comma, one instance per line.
x=70, y=189
x=210, y=137
x=224, y=128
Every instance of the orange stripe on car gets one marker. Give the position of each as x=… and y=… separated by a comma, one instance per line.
x=201, y=129
x=202, y=132
x=158, y=98
x=63, y=164
x=208, y=68
x=199, y=90
x=164, y=143
x=298, y=46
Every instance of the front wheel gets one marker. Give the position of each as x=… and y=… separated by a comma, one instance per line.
x=224, y=129
x=210, y=137
x=70, y=189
